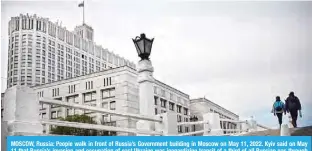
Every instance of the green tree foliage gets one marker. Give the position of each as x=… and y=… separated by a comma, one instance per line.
x=62, y=130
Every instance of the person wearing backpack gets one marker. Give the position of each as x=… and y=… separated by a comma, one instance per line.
x=279, y=109
x=292, y=106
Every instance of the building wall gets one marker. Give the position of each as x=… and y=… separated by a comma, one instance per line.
x=114, y=89
x=122, y=85
x=41, y=51
x=201, y=106
x=168, y=99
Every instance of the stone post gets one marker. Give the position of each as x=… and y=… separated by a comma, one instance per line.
x=169, y=125
x=146, y=94
x=146, y=81
x=285, y=130
x=245, y=127
x=213, y=126
x=21, y=111
x=252, y=124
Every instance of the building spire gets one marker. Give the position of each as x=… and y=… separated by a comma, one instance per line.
x=83, y=12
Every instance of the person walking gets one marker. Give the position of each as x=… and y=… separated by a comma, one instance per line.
x=278, y=110
x=292, y=106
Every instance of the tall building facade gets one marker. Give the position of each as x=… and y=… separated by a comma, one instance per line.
x=41, y=51
x=114, y=89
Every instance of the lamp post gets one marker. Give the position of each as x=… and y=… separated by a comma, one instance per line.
x=145, y=79
x=143, y=46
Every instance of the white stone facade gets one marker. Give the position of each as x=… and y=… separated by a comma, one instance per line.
x=115, y=89
x=201, y=106
x=41, y=51
x=168, y=99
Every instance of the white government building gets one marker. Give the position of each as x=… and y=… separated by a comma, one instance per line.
x=69, y=66
x=41, y=51
x=114, y=89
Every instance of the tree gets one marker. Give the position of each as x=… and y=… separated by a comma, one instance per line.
x=62, y=130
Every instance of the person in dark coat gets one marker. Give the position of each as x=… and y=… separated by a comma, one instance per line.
x=292, y=106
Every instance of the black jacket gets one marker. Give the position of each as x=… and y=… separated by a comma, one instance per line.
x=292, y=101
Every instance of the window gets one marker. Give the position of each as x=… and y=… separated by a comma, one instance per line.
x=156, y=111
x=179, y=99
x=43, y=116
x=71, y=88
x=55, y=92
x=179, y=117
x=163, y=102
x=105, y=105
x=108, y=81
x=28, y=78
x=179, y=108
x=88, y=97
x=155, y=100
x=171, y=106
x=185, y=111
x=186, y=129
x=163, y=111
x=112, y=105
x=69, y=112
x=155, y=90
x=53, y=115
x=89, y=85
x=72, y=99
x=171, y=96
x=180, y=129
x=107, y=93
x=106, y=118
x=163, y=94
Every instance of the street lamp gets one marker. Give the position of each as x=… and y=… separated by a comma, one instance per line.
x=143, y=46
x=145, y=71
x=146, y=82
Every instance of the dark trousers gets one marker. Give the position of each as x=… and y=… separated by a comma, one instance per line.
x=294, y=116
x=280, y=118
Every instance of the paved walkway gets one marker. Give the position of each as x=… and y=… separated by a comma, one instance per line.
x=303, y=131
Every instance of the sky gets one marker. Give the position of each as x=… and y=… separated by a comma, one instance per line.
x=239, y=55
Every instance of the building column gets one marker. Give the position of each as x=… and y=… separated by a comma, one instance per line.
x=63, y=109
x=146, y=93
x=99, y=105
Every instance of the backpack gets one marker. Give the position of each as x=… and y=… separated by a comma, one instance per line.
x=278, y=106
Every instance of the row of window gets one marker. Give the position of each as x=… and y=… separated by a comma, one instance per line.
x=221, y=115
x=71, y=88
x=55, y=92
x=89, y=85
x=163, y=94
x=113, y=59
x=181, y=131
